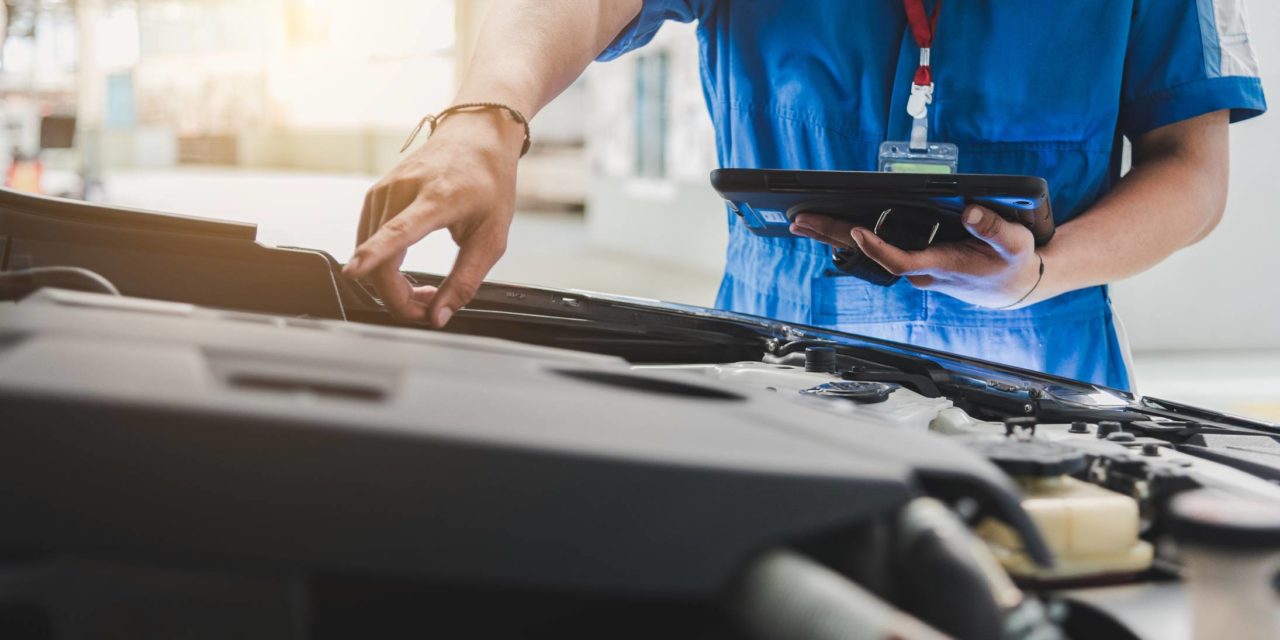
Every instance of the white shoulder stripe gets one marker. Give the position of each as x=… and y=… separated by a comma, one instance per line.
x=1237, y=56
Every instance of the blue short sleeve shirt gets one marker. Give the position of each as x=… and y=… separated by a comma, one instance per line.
x=1036, y=88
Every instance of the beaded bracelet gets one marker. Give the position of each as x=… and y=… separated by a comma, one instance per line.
x=434, y=121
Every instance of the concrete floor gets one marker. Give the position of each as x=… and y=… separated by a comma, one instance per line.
x=321, y=211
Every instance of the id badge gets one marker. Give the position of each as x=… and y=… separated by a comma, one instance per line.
x=934, y=157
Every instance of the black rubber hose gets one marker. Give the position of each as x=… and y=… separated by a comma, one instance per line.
x=948, y=577
x=15, y=285
x=784, y=595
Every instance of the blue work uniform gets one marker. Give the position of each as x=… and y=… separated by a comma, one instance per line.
x=1037, y=88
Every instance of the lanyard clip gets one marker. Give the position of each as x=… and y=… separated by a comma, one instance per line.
x=921, y=98
x=918, y=107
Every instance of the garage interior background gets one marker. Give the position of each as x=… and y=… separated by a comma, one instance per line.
x=281, y=112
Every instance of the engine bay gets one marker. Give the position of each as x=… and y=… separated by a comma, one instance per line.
x=1098, y=493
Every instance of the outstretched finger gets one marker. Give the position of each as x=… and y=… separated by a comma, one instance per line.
x=476, y=257
x=894, y=260
x=825, y=229
x=408, y=227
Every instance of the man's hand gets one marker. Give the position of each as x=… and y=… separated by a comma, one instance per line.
x=463, y=179
x=995, y=268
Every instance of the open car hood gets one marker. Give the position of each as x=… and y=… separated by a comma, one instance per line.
x=209, y=399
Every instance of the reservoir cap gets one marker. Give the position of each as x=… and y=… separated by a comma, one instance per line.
x=1030, y=458
x=820, y=359
x=1217, y=519
x=1108, y=427
x=864, y=392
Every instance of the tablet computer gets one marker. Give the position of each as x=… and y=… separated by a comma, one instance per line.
x=767, y=199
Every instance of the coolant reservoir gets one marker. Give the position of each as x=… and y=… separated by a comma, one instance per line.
x=1091, y=530
x=1230, y=546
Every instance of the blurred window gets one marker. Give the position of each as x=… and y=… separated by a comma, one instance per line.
x=651, y=115
x=121, y=110
x=37, y=39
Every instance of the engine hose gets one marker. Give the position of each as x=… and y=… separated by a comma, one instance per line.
x=783, y=595
x=15, y=285
x=952, y=581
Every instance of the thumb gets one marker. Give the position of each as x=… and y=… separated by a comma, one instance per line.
x=1007, y=238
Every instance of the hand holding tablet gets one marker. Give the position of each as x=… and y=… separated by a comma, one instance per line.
x=909, y=211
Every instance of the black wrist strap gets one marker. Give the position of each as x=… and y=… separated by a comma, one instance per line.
x=854, y=262
x=909, y=230
x=433, y=120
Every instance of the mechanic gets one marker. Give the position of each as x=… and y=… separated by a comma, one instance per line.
x=1046, y=89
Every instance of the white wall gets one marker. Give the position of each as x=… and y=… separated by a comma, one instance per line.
x=1224, y=293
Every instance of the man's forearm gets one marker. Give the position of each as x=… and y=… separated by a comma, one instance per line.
x=529, y=51
x=1173, y=197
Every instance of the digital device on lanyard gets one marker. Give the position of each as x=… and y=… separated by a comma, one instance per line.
x=919, y=155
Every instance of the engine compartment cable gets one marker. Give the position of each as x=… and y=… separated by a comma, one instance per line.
x=785, y=594
x=20, y=283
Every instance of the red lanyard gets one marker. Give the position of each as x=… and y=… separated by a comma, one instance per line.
x=923, y=28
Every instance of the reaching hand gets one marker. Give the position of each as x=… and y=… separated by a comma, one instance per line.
x=463, y=179
x=995, y=268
